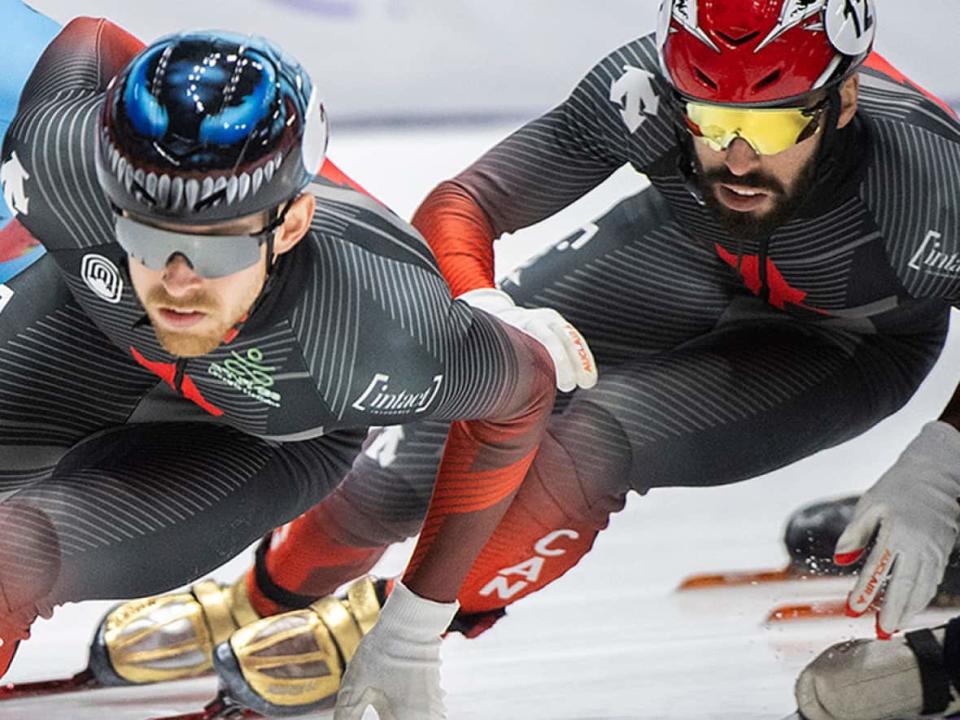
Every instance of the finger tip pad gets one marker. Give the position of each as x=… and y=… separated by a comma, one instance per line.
x=847, y=558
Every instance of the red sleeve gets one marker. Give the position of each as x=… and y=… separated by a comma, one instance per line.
x=460, y=235
x=94, y=46
x=877, y=62
x=115, y=48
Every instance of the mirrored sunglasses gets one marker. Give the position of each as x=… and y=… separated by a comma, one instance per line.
x=768, y=131
x=210, y=256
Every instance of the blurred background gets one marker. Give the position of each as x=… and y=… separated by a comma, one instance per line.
x=416, y=61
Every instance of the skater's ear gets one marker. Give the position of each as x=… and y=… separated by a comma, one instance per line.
x=849, y=95
x=295, y=225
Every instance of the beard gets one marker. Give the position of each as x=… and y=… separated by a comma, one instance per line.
x=189, y=343
x=747, y=225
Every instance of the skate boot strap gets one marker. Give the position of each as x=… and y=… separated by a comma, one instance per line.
x=216, y=610
x=939, y=665
x=475, y=624
x=266, y=585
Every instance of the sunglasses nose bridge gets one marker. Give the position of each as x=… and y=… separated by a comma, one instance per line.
x=727, y=142
x=186, y=258
x=737, y=135
x=172, y=257
x=179, y=273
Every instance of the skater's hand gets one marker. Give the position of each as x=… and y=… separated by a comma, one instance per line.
x=571, y=355
x=915, y=507
x=396, y=669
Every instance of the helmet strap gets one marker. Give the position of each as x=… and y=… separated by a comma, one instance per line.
x=825, y=155
x=277, y=218
x=686, y=164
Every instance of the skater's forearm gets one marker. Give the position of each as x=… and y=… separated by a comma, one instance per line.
x=440, y=571
x=460, y=235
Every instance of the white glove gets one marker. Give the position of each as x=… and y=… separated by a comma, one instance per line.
x=915, y=505
x=571, y=355
x=396, y=669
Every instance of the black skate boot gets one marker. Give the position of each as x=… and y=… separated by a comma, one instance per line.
x=811, y=536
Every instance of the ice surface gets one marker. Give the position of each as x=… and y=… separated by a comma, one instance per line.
x=610, y=640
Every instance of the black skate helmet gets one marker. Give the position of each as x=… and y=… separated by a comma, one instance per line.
x=204, y=127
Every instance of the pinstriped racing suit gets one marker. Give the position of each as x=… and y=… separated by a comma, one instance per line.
x=127, y=471
x=720, y=359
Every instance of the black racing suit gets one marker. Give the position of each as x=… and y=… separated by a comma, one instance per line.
x=127, y=470
x=720, y=359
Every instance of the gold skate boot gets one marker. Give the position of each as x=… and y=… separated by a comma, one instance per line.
x=168, y=637
x=293, y=662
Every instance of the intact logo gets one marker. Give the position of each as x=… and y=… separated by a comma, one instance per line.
x=381, y=398
x=248, y=374
x=512, y=580
x=635, y=95
x=931, y=259
x=103, y=277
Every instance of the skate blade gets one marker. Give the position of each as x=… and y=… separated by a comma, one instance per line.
x=808, y=611
x=746, y=577
x=81, y=681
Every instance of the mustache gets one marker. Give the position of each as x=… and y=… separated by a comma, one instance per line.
x=754, y=180
x=198, y=302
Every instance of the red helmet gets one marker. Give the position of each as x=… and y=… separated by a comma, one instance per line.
x=762, y=52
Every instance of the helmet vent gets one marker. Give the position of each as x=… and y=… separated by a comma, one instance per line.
x=705, y=79
x=768, y=80
x=739, y=40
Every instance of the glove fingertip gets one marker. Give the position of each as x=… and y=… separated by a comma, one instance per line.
x=850, y=612
x=847, y=558
x=881, y=633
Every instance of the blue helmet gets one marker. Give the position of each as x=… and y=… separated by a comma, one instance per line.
x=203, y=127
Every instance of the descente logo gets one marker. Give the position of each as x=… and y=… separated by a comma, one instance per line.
x=379, y=398
x=930, y=257
x=635, y=96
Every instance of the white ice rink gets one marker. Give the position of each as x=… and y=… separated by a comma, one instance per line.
x=612, y=639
